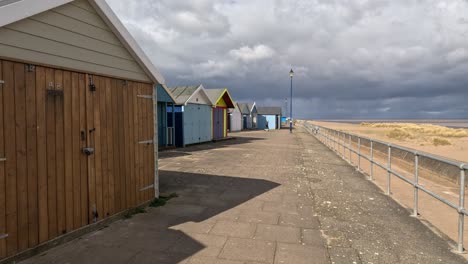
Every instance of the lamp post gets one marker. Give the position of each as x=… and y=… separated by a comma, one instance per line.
x=291, y=74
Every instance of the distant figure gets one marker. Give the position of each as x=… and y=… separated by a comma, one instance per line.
x=266, y=126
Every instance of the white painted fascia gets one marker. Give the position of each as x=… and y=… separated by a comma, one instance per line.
x=25, y=8
x=22, y=9
x=253, y=105
x=169, y=92
x=199, y=89
x=190, y=97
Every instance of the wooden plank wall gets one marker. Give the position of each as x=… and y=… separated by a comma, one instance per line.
x=48, y=187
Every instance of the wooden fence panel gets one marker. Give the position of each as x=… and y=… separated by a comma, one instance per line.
x=75, y=145
x=104, y=194
x=59, y=152
x=3, y=251
x=10, y=154
x=110, y=147
x=32, y=168
x=21, y=160
x=51, y=154
x=68, y=148
x=41, y=94
x=83, y=143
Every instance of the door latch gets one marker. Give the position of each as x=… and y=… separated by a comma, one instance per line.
x=88, y=151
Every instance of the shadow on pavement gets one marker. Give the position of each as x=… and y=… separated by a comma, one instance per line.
x=187, y=151
x=184, y=222
x=168, y=234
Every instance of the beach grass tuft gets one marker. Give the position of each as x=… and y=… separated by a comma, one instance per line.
x=404, y=131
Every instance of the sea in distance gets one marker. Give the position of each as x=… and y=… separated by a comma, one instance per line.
x=453, y=123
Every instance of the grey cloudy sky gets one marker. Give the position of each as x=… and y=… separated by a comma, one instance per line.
x=352, y=58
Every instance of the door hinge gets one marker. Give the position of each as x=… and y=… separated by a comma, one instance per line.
x=145, y=96
x=2, y=81
x=95, y=214
x=2, y=236
x=92, y=87
x=147, y=142
x=2, y=159
x=147, y=187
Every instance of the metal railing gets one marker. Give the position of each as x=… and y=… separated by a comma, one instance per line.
x=336, y=140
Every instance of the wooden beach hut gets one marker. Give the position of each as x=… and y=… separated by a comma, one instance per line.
x=76, y=120
x=234, y=119
x=269, y=117
x=192, y=115
x=249, y=115
x=221, y=101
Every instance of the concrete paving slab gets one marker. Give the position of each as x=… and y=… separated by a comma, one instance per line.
x=287, y=234
x=259, y=217
x=233, y=229
x=300, y=254
x=212, y=245
x=298, y=220
x=211, y=260
x=242, y=249
x=290, y=208
x=195, y=227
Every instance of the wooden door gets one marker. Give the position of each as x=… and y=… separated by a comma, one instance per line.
x=218, y=123
x=43, y=176
x=48, y=184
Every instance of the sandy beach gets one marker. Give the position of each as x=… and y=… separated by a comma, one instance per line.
x=438, y=140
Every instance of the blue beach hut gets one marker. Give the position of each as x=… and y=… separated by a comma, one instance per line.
x=192, y=115
x=270, y=116
x=166, y=101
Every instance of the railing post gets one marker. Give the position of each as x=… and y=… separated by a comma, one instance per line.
x=371, y=160
x=389, y=168
x=359, y=153
x=416, y=183
x=326, y=138
x=350, y=152
x=461, y=213
x=334, y=140
x=344, y=146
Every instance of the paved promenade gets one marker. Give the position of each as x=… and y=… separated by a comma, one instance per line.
x=265, y=197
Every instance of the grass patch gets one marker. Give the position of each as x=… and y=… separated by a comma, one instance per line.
x=400, y=134
x=440, y=142
x=422, y=129
x=131, y=213
x=162, y=200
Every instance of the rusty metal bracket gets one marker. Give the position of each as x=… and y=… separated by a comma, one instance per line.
x=92, y=86
x=145, y=96
x=147, y=187
x=2, y=236
x=147, y=142
x=30, y=67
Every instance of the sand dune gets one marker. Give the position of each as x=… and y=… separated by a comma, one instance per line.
x=438, y=140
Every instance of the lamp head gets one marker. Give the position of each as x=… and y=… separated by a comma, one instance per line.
x=291, y=73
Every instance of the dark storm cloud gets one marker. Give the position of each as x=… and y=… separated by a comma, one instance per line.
x=353, y=59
